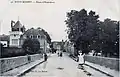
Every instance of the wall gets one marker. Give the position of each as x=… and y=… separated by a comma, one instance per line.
x=35, y=57
x=13, y=62
x=112, y=63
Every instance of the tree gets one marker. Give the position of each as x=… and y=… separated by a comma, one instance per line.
x=109, y=36
x=88, y=33
x=31, y=46
x=81, y=28
x=36, y=44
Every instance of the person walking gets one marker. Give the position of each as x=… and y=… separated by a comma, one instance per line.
x=45, y=62
x=60, y=54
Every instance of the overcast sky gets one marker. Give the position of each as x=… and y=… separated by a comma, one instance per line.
x=51, y=17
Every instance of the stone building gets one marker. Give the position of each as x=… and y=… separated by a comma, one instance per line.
x=69, y=47
x=35, y=34
x=58, y=45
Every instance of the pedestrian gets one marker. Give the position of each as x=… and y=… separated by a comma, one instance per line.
x=81, y=60
x=45, y=62
x=60, y=54
x=60, y=59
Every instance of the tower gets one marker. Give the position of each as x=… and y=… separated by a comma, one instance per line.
x=17, y=29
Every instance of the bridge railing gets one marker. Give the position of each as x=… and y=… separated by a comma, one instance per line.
x=112, y=63
x=7, y=64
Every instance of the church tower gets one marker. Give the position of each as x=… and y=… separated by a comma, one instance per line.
x=17, y=29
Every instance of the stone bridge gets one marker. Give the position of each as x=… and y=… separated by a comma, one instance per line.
x=31, y=66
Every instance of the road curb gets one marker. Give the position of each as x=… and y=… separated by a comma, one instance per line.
x=99, y=70
x=73, y=58
x=27, y=70
x=21, y=74
x=94, y=68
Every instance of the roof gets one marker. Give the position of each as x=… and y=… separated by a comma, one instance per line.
x=4, y=38
x=33, y=32
x=17, y=25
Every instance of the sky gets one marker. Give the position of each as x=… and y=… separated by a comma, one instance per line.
x=51, y=16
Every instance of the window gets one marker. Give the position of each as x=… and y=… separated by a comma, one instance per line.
x=14, y=41
x=14, y=35
x=17, y=29
x=38, y=36
x=31, y=36
x=27, y=36
x=42, y=37
x=34, y=36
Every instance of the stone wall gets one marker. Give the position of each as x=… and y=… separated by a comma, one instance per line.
x=7, y=64
x=35, y=57
x=112, y=63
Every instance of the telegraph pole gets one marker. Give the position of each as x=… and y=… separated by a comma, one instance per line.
x=0, y=27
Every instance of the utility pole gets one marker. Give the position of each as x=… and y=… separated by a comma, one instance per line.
x=0, y=26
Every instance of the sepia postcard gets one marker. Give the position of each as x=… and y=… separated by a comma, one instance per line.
x=59, y=38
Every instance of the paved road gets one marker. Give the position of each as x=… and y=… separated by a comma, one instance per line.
x=69, y=68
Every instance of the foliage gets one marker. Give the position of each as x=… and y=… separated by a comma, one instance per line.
x=81, y=27
x=51, y=45
x=109, y=36
x=31, y=46
x=88, y=33
x=12, y=52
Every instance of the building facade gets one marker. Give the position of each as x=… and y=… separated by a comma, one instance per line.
x=18, y=35
x=58, y=45
x=17, y=29
x=69, y=47
x=35, y=34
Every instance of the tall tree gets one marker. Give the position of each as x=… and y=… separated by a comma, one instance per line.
x=109, y=36
x=81, y=28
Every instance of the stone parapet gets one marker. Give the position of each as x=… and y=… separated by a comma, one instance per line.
x=112, y=63
x=7, y=64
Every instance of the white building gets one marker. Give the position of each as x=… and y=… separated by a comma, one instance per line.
x=17, y=29
x=57, y=45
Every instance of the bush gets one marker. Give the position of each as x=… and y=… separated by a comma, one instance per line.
x=12, y=52
x=31, y=46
